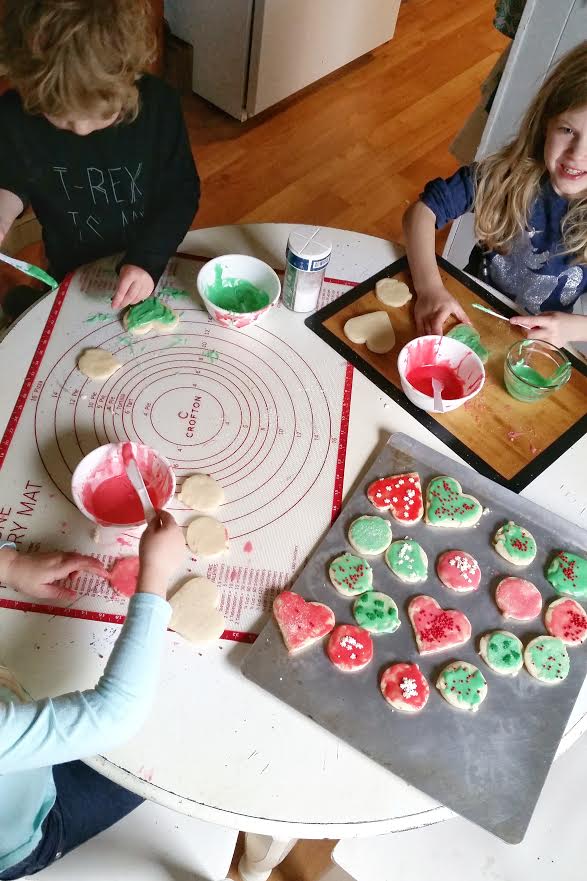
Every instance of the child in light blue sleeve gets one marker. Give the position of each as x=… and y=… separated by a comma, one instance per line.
x=46, y=811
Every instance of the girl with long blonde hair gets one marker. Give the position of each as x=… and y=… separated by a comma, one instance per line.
x=529, y=201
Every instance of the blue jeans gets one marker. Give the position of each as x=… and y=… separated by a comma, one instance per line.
x=86, y=804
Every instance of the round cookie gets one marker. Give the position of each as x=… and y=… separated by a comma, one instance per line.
x=448, y=506
x=392, y=292
x=463, y=686
x=515, y=544
x=370, y=535
x=503, y=652
x=194, y=611
x=407, y=559
x=124, y=575
x=518, y=599
x=547, y=660
x=401, y=494
x=207, y=537
x=567, y=573
x=98, y=364
x=150, y=314
x=350, y=575
x=405, y=687
x=567, y=620
x=201, y=493
x=458, y=571
x=350, y=648
x=376, y=612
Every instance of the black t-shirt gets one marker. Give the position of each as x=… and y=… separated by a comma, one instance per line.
x=131, y=187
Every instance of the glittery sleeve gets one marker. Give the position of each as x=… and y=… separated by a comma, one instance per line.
x=450, y=198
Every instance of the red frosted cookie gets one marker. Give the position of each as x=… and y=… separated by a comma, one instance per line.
x=435, y=628
x=518, y=599
x=301, y=623
x=401, y=494
x=459, y=571
x=566, y=619
x=124, y=575
x=350, y=648
x=404, y=686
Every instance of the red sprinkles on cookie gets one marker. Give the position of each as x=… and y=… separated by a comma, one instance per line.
x=401, y=494
x=436, y=628
x=350, y=648
x=404, y=686
x=458, y=571
x=566, y=619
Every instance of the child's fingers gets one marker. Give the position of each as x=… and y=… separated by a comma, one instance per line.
x=55, y=592
x=78, y=563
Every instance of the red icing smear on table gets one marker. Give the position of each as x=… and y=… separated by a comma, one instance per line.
x=110, y=497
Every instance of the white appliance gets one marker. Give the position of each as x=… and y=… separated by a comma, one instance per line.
x=250, y=54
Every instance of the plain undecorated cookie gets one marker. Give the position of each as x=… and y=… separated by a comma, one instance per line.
x=374, y=329
x=194, y=611
x=392, y=292
x=201, y=493
x=463, y=686
x=98, y=364
x=207, y=537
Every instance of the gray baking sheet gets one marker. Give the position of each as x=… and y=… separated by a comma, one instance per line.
x=490, y=766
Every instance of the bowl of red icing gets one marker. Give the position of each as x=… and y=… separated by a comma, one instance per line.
x=455, y=365
x=102, y=491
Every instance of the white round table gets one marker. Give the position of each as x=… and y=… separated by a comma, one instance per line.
x=217, y=747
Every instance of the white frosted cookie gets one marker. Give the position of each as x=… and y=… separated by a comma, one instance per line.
x=194, y=613
x=370, y=535
x=98, y=363
x=546, y=659
x=463, y=686
x=201, y=493
x=150, y=314
x=207, y=537
x=392, y=292
x=374, y=329
x=503, y=652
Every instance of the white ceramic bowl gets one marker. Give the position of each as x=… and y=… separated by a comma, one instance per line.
x=242, y=267
x=106, y=461
x=441, y=349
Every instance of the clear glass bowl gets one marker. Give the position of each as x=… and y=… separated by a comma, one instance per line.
x=534, y=369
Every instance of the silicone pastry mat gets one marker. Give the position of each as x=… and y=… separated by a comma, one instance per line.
x=488, y=766
x=504, y=439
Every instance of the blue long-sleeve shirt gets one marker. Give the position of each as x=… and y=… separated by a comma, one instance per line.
x=36, y=735
x=535, y=274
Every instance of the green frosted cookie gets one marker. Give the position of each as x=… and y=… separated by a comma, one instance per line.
x=350, y=575
x=515, y=544
x=376, y=612
x=370, y=535
x=407, y=559
x=503, y=652
x=447, y=505
x=547, y=659
x=463, y=686
x=466, y=334
x=568, y=574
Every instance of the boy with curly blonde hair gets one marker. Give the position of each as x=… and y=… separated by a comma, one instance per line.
x=97, y=147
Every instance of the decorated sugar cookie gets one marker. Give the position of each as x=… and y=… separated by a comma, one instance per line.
x=401, y=494
x=567, y=620
x=463, y=686
x=503, y=652
x=405, y=687
x=458, y=571
x=518, y=599
x=567, y=573
x=370, y=535
x=301, y=623
x=515, y=544
x=435, y=628
x=468, y=335
x=407, y=559
x=376, y=612
x=150, y=314
x=350, y=648
x=447, y=505
x=350, y=575
x=547, y=660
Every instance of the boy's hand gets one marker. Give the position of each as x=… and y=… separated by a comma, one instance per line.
x=134, y=285
x=557, y=328
x=35, y=574
x=432, y=309
x=161, y=551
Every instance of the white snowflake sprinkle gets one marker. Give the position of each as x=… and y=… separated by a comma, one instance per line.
x=409, y=688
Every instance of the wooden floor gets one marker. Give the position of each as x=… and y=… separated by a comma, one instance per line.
x=349, y=152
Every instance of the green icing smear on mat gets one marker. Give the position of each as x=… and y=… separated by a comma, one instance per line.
x=99, y=316
x=236, y=294
x=466, y=334
x=149, y=310
x=211, y=355
x=174, y=293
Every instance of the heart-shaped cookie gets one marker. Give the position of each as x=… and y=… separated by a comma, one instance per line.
x=448, y=505
x=301, y=623
x=435, y=628
x=374, y=329
x=150, y=314
x=194, y=614
x=401, y=494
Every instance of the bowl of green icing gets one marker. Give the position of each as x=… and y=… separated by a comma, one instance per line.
x=534, y=369
x=238, y=290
